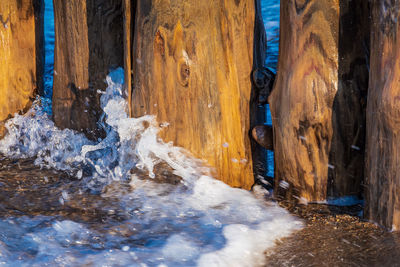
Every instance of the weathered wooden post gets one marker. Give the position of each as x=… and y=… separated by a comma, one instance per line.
x=347, y=152
x=21, y=55
x=191, y=67
x=316, y=104
x=89, y=42
x=383, y=117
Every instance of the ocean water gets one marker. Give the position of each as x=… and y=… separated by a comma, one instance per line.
x=161, y=206
x=49, y=54
x=270, y=10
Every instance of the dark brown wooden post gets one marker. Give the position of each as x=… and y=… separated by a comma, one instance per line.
x=383, y=117
x=191, y=67
x=317, y=102
x=347, y=151
x=21, y=55
x=89, y=42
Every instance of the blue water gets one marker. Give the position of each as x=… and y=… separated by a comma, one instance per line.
x=270, y=10
x=49, y=53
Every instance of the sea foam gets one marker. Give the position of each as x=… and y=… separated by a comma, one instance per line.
x=199, y=222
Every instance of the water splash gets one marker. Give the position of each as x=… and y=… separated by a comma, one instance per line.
x=129, y=142
x=199, y=221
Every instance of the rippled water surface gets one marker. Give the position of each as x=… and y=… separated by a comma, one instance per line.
x=270, y=10
x=49, y=54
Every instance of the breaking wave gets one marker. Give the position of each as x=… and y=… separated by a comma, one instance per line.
x=172, y=214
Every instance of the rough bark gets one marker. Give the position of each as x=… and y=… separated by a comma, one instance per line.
x=191, y=68
x=129, y=18
x=21, y=56
x=89, y=42
x=317, y=103
x=383, y=117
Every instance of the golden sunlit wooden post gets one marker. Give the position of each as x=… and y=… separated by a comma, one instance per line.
x=21, y=55
x=191, y=65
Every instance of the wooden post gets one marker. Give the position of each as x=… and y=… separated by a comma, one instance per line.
x=89, y=42
x=383, y=117
x=191, y=64
x=347, y=153
x=21, y=56
x=316, y=104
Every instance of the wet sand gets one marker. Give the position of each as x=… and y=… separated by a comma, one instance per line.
x=335, y=236
x=332, y=236
x=28, y=190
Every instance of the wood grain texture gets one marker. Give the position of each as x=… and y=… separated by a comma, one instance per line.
x=21, y=56
x=192, y=65
x=129, y=15
x=89, y=42
x=383, y=117
x=316, y=104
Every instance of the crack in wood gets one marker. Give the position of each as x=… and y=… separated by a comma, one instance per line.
x=4, y=22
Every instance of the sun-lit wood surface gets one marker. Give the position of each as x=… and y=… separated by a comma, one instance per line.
x=191, y=65
x=89, y=42
x=21, y=56
x=383, y=117
x=129, y=22
x=317, y=103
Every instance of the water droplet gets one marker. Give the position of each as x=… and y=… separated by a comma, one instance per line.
x=284, y=184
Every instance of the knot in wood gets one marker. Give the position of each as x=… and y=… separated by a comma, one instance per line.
x=183, y=72
x=22, y=80
x=159, y=43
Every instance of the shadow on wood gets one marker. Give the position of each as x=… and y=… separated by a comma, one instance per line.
x=88, y=43
x=349, y=106
x=383, y=117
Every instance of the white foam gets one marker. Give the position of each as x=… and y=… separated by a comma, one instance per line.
x=200, y=222
x=180, y=248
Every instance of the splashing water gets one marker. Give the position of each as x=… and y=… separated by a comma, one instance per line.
x=196, y=221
